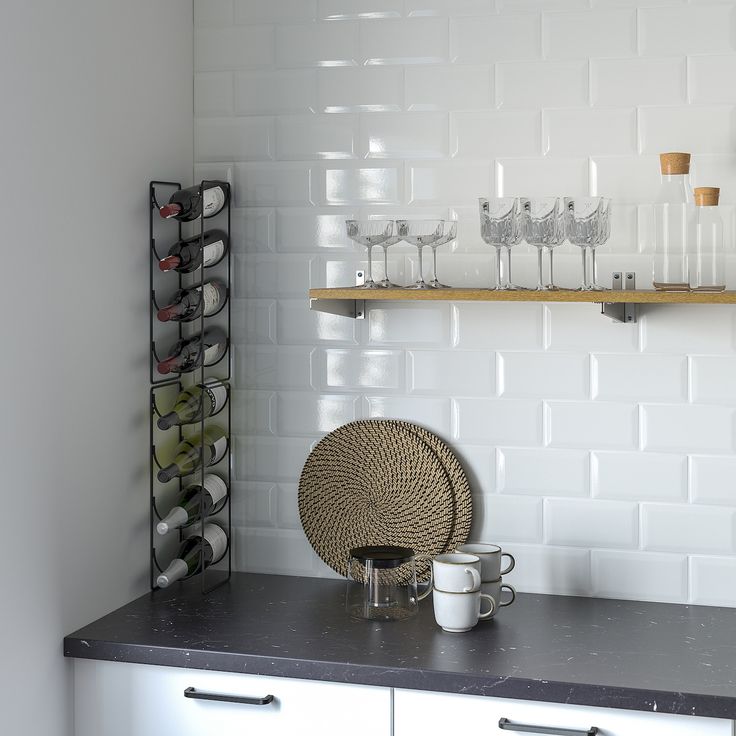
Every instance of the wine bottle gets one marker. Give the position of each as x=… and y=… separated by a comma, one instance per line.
x=193, y=202
x=192, y=352
x=196, y=403
x=192, y=500
x=189, y=304
x=212, y=542
x=189, y=254
x=193, y=452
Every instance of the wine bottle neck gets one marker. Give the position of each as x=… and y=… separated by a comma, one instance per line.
x=168, y=420
x=167, y=473
x=170, y=210
x=175, y=571
x=169, y=263
x=176, y=518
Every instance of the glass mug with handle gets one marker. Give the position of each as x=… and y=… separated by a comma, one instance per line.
x=490, y=556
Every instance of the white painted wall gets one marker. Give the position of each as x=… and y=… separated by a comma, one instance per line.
x=96, y=100
x=602, y=455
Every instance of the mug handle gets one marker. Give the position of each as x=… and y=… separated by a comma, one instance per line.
x=475, y=575
x=513, y=595
x=491, y=610
x=512, y=563
x=430, y=584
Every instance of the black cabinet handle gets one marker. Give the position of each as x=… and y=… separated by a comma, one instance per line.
x=190, y=692
x=505, y=723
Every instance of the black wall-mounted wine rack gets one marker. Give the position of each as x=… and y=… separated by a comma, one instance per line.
x=164, y=390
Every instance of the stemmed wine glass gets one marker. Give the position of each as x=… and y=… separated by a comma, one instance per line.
x=604, y=213
x=385, y=283
x=582, y=225
x=544, y=227
x=501, y=226
x=447, y=237
x=369, y=233
x=420, y=233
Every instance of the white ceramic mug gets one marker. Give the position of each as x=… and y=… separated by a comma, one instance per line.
x=495, y=590
x=456, y=572
x=457, y=612
x=490, y=559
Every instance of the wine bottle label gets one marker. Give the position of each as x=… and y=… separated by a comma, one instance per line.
x=217, y=539
x=218, y=450
x=213, y=201
x=212, y=252
x=216, y=487
x=212, y=353
x=211, y=298
x=217, y=393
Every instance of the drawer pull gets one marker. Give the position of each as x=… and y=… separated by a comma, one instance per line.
x=505, y=724
x=190, y=692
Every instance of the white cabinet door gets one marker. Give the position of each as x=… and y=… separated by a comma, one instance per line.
x=440, y=714
x=118, y=699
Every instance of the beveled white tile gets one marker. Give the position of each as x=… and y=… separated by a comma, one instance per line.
x=234, y=139
x=409, y=324
x=672, y=527
x=416, y=8
x=274, y=184
x=315, y=136
x=706, y=75
x=539, y=84
x=252, y=230
x=287, y=506
x=711, y=480
x=362, y=183
x=317, y=44
x=263, y=367
x=273, y=92
x=297, y=325
x=588, y=424
x=304, y=230
x=497, y=326
x=644, y=81
x=603, y=33
x=351, y=89
x=269, y=458
x=213, y=94
x=665, y=332
x=486, y=39
x=639, y=377
x=626, y=179
x=357, y=370
x=540, y=177
x=254, y=504
x=498, y=421
x=213, y=13
x=547, y=569
x=491, y=134
x=254, y=321
x=342, y=9
x=696, y=129
x=688, y=428
x=720, y=168
x=311, y=413
x=430, y=412
x=503, y=519
x=252, y=412
x=643, y=576
x=415, y=41
x=708, y=576
x=585, y=523
x=415, y=134
x=267, y=11
x=233, y=48
x=687, y=30
x=478, y=462
x=542, y=472
x=712, y=380
x=442, y=87
x=455, y=372
x=580, y=132
x=273, y=276
x=515, y=6
x=544, y=375
x=639, y=476
x=272, y=551
x=447, y=182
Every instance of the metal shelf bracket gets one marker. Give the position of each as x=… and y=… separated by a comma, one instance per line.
x=353, y=308
x=622, y=311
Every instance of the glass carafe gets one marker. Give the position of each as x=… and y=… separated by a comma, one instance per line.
x=708, y=272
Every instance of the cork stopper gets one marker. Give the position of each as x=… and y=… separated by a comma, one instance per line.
x=707, y=196
x=674, y=163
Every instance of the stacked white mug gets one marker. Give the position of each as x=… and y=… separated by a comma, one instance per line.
x=491, y=556
x=457, y=594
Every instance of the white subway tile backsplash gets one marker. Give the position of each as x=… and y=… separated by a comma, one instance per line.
x=345, y=370
x=696, y=129
x=642, y=576
x=269, y=458
x=639, y=377
x=363, y=183
x=626, y=179
x=312, y=414
x=712, y=380
x=351, y=89
x=542, y=472
x=409, y=324
x=711, y=581
x=547, y=569
x=537, y=177
x=258, y=185
x=234, y=139
x=317, y=44
x=287, y=509
x=233, y=48
x=254, y=504
x=579, y=327
x=253, y=412
x=697, y=329
x=642, y=476
x=592, y=424
x=642, y=81
x=273, y=276
x=274, y=92
x=213, y=94
x=265, y=366
x=486, y=39
x=673, y=527
x=297, y=325
x=430, y=412
x=392, y=135
x=436, y=87
x=507, y=519
x=586, y=523
x=315, y=136
x=580, y=132
x=701, y=29
x=478, y=462
x=497, y=326
x=248, y=12
x=549, y=375
x=342, y=9
x=416, y=8
x=446, y=183
x=272, y=551
x=254, y=320
x=304, y=230
x=498, y=421
x=413, y=41
x=711, y=480
x=491, y=134
x=581, y=34
x=706, y=75
x=683, y=428
x=456, y=372
x=538, y=84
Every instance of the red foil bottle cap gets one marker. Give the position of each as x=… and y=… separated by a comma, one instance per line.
x=170, y=210
x=169, y=263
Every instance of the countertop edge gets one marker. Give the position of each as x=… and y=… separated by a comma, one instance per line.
x=711, y=706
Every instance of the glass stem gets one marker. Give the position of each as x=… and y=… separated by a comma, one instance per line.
x=551, y=273
x=420, y=280
x=498, y=267
x=509, y=282
x=385, y=263
x=585, y=268
x=593, y=268
x=434, y=264
x=369, y=270
x=540, y=285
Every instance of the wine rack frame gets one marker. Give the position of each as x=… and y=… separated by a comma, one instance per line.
x=219, y=573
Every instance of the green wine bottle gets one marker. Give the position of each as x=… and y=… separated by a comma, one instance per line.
x=189, y=560
x=190, y=503
x=195, y=403
x=193, y=452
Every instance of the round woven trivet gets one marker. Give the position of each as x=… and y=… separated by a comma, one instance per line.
x=382, y=482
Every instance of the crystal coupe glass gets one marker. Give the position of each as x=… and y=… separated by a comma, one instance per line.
x=420, y=233
x=369, y=233
x=448, y=236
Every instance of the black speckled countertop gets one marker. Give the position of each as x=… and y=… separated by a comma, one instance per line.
x=587, y=651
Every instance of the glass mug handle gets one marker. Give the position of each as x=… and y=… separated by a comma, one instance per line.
x=430, y=584
x=512, y=563
x=491, y=610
